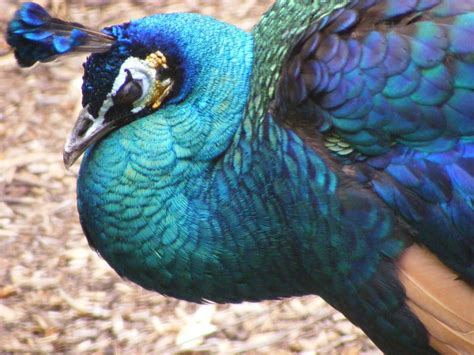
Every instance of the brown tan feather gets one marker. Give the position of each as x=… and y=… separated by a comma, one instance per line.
x=442, y=302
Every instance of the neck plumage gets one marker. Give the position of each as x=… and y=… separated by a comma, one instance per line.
x=185, y=203
x=206, y=230
x=197, y=219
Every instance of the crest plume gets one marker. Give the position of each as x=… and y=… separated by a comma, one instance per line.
x=38, y=37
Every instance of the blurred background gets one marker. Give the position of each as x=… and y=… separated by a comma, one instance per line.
x=56, y=294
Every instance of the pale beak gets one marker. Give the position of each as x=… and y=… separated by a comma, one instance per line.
x=87, y=130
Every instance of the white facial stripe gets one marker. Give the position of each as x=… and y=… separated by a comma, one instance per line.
x=99, y=121
x=108, y=103
x=140, y=70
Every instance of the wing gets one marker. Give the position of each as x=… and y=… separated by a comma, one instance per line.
x=388, y=86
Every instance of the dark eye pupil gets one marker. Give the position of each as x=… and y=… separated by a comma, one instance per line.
x=130, y=91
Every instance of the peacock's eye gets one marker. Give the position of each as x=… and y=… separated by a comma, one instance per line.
x=130, y=91
x=141, y=84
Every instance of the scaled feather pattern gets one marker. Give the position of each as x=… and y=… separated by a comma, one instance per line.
x=329, y=151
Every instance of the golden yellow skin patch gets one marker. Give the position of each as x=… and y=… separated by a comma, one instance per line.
x=160, y=89
x=156, y=60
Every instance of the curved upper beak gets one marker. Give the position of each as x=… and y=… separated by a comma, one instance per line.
x=86, y=131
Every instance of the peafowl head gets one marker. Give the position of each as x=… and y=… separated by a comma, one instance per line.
x=166, y=67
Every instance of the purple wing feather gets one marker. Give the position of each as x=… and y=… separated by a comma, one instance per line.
x=394, y=80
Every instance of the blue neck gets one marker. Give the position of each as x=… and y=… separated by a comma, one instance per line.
x=198, y=229
x=182, y=138
x=186, y=203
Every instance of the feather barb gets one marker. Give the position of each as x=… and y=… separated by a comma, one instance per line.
x=442, y=302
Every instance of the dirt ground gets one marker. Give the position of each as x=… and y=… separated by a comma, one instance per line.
x=56, y=295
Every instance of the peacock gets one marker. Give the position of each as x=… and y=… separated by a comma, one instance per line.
x=328, y=151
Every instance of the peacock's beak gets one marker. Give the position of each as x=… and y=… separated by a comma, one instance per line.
x=87, y=130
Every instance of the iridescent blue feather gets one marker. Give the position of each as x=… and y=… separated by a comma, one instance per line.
x=393, y=80
x=38, y=37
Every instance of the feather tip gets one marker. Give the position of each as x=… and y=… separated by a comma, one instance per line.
x=36, y=36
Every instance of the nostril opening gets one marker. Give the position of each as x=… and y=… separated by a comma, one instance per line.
x=84, y=125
